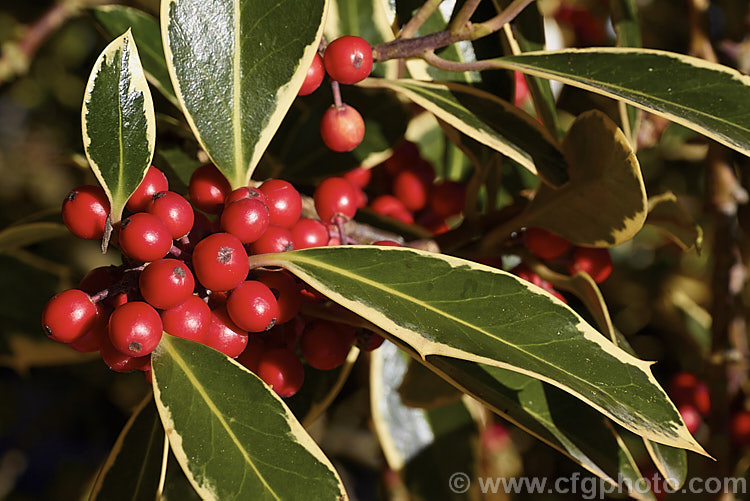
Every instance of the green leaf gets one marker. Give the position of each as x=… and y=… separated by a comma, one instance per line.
x=440, y=441
x=115, y=19
x=133, y=468
x=15, y=237
x=176, y=485
x=706, y=97
x=671, y=463
x=236, y=68
x=442, y=305
x=628, y=29
x=665, y=212
x=487, y=119
x=119, y=128
x=423, y=389
x=232, y=435
x=604, y=203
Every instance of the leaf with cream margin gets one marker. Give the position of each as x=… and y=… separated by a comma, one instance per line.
x=232, y=435
x=666, y=213
x=236, y=67
x=442, y=305
x=604, y=203
x=118, y=122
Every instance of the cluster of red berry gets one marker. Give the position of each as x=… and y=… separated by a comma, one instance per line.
x=190, y=276
x=347, y=60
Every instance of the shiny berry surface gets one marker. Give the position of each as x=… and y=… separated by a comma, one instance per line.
x=313, y=77
x=282, y=370
x=135, y=329
x=335, y=197
x=189, y=320
x=154, y=182
x=144, y=237
x=220, y=262
x=342, y=129
x=348, y=59
x=253, y=307
x=208, y=189
x=174, y=211
x=166, y=283
x=69, y=315
x=84, y=212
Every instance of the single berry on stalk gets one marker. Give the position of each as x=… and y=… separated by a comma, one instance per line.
x=335, y=197
x=342, y=129
x=348, y=59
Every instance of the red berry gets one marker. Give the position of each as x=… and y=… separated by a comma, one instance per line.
x=144, y=237
x=686, y=389
x=691, y=417
x=324, y=347
x=545, y=244
x=69, y=315
x=387, y=243
x=524, y=272
x=250, y=357
x=166, y=283
x=282, y=370
x=702, y=398
x=208, y=189
x=359, y=177
x=433, y=222
x=253, y=307
x=135, y=329
x=595, y=262
x=335, y=197
x=412, y=185
x=740, y=429
x=84, y=212
x=284, y=202
x=372, y=341
x=285, y=335
x=307, y=233
x=153, y=182
x=246, y=219
x=342, y=129
x=387, y=205
x=405, y=154
x=100, y=278
x=189, y=320
x=174, y=211
x=91, y=341
x=348, y=59
x=224, y=335
x=313, y=77
x=447, y=198
x=275, y=239
x=118, y=361
x=246, y=192
x=286, y=291
x=220, y=262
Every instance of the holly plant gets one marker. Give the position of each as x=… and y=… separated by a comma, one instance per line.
x=300, y=189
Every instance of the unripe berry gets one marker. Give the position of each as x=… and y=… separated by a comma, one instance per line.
x=84, y=212
x=342, y=129
x=220, y=262
x=174, y=211
x=307, y=233
x=286, y=291
x=166, y=283
x=69, y=315
x=154, y=182
x=335, y=197
x=135, y=329
x=545, y=244
x=313, y=77
x=284, y=202
x=189, y=320
x=324, y=347
x=208, y=188
x=596, y=262
x=275, y=239
x=144, y=237
x=282, y=370
x=348, y=59
x=253, y=307
x=246, y=219
x=224, y=335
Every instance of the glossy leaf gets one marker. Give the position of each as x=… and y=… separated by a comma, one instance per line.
x=441, y=305
x=487, y=119
x=15, y=237
x=706, y=97
x=133, y=468
x=423, y=389
x=115, y=19
x=209, y=403
x=119, y=128
x=671, y=463
x=628, y=29
x=422, y=445
x=236, y=68
x=665, y=212
x=176, y=485
x=604, y=204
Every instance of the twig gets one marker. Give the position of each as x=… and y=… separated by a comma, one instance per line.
x=418, y=19
x=463, y=16
x=506, y=16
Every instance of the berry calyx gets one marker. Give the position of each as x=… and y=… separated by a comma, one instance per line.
x=253, y=307
x=144, y=237
x=284, y=202
x=545, y=244
x=208, y=189
x=281, y=369
x=84, y=212
x=135, y=329
x=189, y=320
x=313, y=77
x=69, y=315
x=174, y=211
x=220, y=262
x=342, y=128
x=594, y=261
x=166, y=283
x=153, y=182
x=348, y=59
x=247, y=219
x=335, y=197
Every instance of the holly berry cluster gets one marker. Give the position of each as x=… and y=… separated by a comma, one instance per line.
x=188, y=275
x=347, y=60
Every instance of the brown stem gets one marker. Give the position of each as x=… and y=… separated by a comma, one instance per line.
x=507, y=15
x=438, y=62
x=418, y=19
